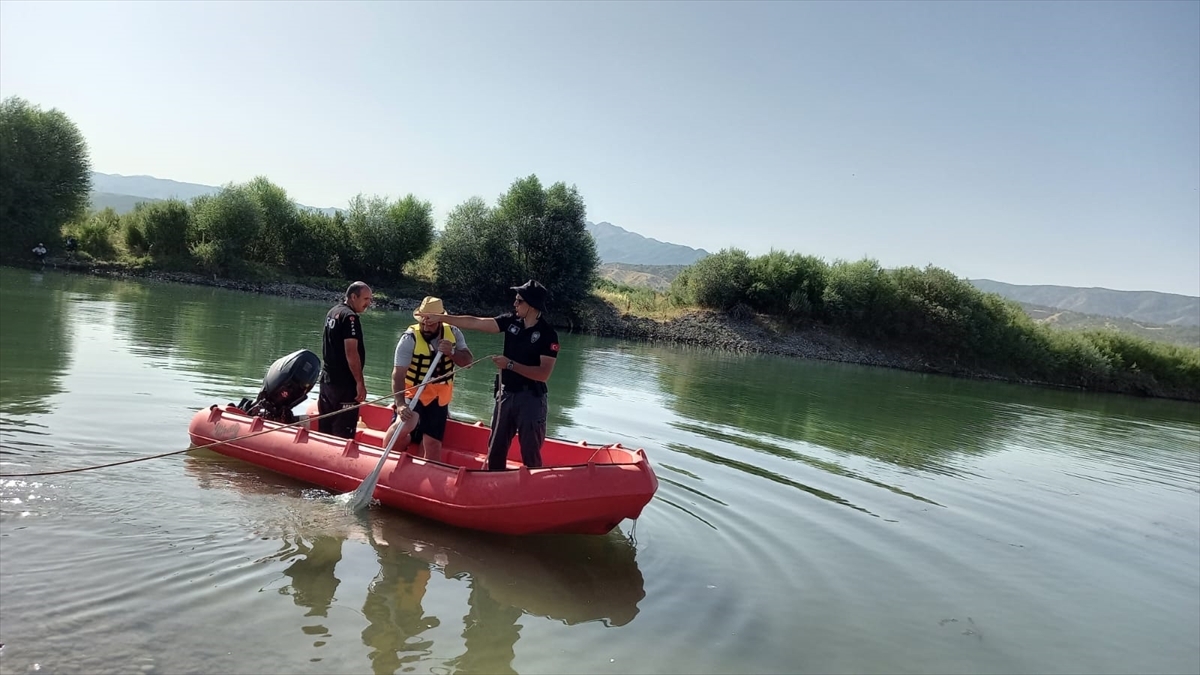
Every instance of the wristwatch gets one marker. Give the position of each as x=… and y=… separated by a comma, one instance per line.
x=510, y=365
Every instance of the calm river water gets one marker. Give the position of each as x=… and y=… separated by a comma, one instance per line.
x=812, y=517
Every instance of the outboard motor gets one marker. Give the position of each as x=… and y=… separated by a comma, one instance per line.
x=287, y=383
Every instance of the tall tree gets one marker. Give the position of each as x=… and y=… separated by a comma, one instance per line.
x=387, y=234
x=476, y=258
x=550, y=238
x=44, y=175
x=280, y=223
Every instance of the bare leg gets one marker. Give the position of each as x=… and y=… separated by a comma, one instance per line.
x=405, y=429
x=432, y=448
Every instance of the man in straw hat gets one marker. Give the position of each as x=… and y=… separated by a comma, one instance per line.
x=424, y=421
x=530, y=351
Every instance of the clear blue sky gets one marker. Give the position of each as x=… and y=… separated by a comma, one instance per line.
x=1039, y=142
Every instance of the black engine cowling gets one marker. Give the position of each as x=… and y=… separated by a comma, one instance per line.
x=286, y=385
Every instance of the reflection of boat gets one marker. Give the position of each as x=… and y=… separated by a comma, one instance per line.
x=581, y=489
x=565, y=578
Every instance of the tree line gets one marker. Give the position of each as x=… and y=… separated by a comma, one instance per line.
x=531, y=231
x=935, y=313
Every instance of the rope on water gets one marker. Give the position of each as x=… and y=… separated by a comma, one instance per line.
x=306, y=420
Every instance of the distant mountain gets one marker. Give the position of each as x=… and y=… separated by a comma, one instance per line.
x=657, y=277
x=618, y=245
x=1186, y=336
x=149, y=186
x=120, y=203
x=122, y=192
x=1164, y=309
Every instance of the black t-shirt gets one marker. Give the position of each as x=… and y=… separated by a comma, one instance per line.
x=526, y=346
x=341, y=324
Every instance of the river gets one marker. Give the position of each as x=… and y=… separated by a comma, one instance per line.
x=812, y=517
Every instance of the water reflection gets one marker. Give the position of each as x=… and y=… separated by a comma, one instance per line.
x=856, y=410
x=393, y=608
x=569, y=579
x=760, y=445
x=231, y=338
x=37, y=345
x=313, y=582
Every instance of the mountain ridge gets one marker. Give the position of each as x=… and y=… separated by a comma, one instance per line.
x=615, y=244
x=116, y=190
x=1165, y=309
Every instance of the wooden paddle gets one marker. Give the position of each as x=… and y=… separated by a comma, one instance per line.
x=363, y=494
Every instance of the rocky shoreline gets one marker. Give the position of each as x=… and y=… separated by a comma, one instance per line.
x=738, y=331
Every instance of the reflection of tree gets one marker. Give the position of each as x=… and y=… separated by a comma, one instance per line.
x=873, y=412
x=234, y=337
x=231, y=338
x=907, y=419
x=37, y=343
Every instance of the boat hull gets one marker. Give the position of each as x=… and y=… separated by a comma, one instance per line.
x=581, y=489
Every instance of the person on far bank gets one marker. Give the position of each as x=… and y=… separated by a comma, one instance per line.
x=530, y=351
x=343, y=354
x=424, y=421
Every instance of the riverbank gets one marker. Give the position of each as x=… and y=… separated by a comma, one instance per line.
x=737, y=331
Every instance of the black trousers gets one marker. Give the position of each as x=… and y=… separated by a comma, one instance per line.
x=333, y=398
x=519, y=413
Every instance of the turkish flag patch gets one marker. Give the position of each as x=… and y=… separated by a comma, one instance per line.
x=553, y=346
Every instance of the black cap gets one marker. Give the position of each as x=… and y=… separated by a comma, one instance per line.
x=533, y=293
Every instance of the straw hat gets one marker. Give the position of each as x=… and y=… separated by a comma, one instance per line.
x=430, y=305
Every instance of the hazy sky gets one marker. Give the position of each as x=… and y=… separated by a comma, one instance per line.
x=1040, y=142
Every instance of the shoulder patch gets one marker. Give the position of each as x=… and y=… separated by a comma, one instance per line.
x=554, y=346
x=514, y=329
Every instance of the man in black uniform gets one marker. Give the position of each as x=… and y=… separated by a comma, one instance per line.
x=343, y=353
x=530, y=351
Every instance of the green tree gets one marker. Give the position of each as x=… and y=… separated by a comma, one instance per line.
x=476, y=258
x=787, y=284
x=550, y=241
x=280, y=224
x=44, y=175
x=320, y=247
x=225, y=225
x=387, y=235
x=97, y=234
x=164, y=225
x=717, y=281
x=860, y=295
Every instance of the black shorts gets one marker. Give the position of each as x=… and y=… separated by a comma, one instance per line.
x=433, y=421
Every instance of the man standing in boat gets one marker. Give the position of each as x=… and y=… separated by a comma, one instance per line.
x=343, y=354
x=530, y=351
x=424, y=421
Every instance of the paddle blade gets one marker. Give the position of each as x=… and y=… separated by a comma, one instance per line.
x=361, y=497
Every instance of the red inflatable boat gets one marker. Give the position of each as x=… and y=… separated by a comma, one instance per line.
x=581, y=489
